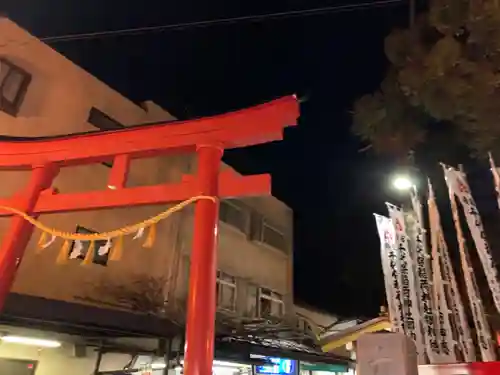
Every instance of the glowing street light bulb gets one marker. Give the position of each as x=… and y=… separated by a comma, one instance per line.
x=402, y=183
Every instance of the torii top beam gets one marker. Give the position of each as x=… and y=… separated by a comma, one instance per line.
x=259, y=124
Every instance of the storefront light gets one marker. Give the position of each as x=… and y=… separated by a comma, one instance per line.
x=31, y=341
x=158, y=366
x=218, y=363
x=230, y=364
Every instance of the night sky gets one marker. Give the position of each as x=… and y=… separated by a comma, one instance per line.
x=328, y=60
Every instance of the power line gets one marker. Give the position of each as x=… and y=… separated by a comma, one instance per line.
x=221, y=21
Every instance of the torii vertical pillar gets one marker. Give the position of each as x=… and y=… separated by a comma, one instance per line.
x=19, y=233
x=201, y=306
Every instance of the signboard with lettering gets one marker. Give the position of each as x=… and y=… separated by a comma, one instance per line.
x=277, y=366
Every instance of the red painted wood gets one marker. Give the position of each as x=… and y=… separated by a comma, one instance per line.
x=231, y=185
x=260, y=124
x=475, y=368
x=119, y=172
x=201, y=304
x=18, y=235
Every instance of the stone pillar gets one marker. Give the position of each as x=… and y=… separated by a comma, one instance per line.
x=386, y=354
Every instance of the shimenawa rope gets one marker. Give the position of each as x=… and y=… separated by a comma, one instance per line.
x=117, y=249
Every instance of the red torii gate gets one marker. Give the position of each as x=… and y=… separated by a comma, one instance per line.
x=208, y=137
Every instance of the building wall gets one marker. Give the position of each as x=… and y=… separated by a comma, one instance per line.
x=58, y=101
x=62, y=360
x=254, y=264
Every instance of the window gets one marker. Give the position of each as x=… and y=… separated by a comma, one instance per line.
x=226, y=291
x=302, y=324
x=235, y=216
x=251, y=305
x=273, y=237
x=102, y=121
x=79, y=249
x=14, y=83
x=146, y=364
x=262, y=231
x=270, y=304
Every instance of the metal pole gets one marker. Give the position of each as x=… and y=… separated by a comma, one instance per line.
x=201, y=305
x=19, y=232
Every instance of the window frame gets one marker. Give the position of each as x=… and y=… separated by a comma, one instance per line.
x=242, y=211
x=266, y=223
x=221, y=283
x=252, y=311
x=13, y=108
x=302, y=323
x=269, y=297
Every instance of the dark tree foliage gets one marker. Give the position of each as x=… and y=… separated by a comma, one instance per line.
x=444, y=75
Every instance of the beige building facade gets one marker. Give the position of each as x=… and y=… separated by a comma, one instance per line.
x=45, y=94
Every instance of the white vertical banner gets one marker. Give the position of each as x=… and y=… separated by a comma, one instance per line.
x=496, y=177
x=464, y=338
x=389, y=258
x=442, y=312
x=457, y=182
x=412, y=318
x=480, y=323
x=421, y=257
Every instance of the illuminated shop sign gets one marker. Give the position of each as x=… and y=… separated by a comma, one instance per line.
x=277, y=366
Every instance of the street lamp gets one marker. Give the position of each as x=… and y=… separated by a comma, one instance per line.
x=402, y=183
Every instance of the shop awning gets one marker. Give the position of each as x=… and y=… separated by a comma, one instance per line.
x=83, y=320
x=241, y=348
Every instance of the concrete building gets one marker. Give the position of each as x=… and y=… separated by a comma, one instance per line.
x=43, y=94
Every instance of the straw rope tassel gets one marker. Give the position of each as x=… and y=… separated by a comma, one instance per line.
x=150, y=240
x=89, y=257
x=62, y=257
x=117, y=249
x=129, y=229
x=42, y=240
